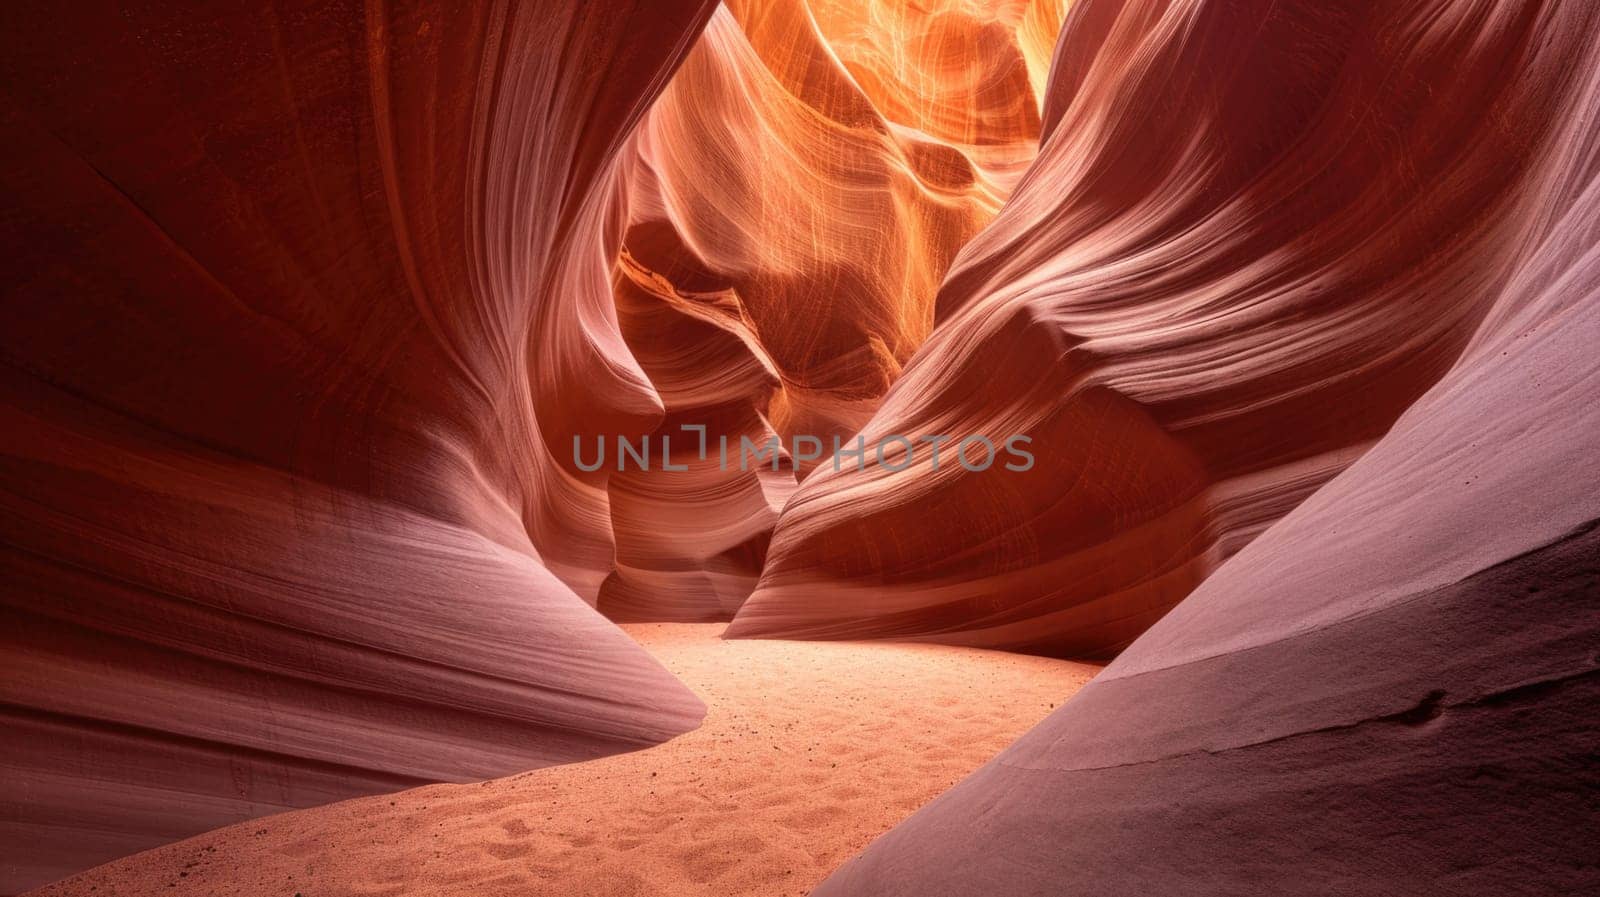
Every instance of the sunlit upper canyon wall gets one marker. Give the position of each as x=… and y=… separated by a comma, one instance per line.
x=794, y=200
x=308, y=304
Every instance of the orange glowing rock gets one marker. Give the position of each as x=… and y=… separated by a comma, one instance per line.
x=803, y=184
x=309, y=309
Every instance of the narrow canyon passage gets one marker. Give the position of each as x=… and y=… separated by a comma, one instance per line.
x=306, y=590
x=809, y=751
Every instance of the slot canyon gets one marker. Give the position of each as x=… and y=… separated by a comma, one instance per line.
x=316, y=310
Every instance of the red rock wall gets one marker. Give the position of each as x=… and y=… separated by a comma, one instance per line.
x=307, y=302
x=303, y=304
x=1394, y=689
x=1255, y=233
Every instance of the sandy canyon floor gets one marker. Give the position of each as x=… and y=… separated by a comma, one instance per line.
x=808, y=751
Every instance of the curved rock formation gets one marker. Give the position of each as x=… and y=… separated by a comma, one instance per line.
x=802, y=185
x=816, y=167
x=1394, y=689
x=691, y=530
x=310, y=305
x=304, y=304
x=1256, y=232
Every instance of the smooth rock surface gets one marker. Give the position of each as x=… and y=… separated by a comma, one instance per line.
x=1394, y=689
x=303, y=303
x=1255, y=234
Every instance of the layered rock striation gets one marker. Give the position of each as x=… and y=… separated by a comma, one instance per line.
x=1254, y=235
x=799, y=190
x=304, y=303
x=1393, y=689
